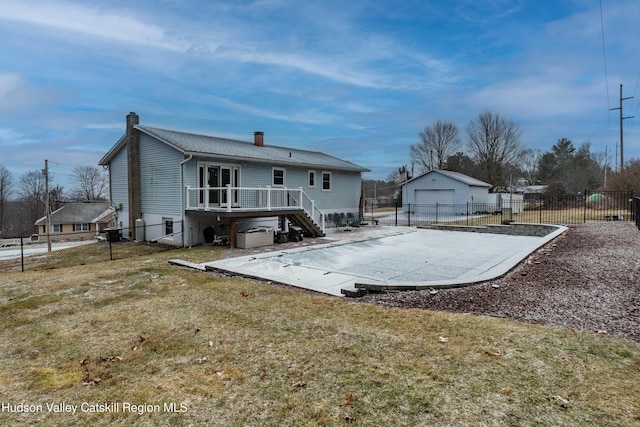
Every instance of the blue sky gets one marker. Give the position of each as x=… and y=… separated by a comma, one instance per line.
x=356, y=79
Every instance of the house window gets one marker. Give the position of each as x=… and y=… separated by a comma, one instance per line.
x=312, y=179
x=278, y=177
x=81, y=227
x=168, y=226
x=326, y=181
x=56, y=228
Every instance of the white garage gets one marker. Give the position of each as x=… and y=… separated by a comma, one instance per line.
x=453, y=189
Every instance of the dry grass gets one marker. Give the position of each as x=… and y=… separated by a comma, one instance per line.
x=238, y=352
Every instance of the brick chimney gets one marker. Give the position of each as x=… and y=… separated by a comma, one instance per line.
x=258, y=139
x=133, y=165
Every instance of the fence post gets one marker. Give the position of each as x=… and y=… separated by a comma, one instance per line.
x=409, y=216
x=584, y=206
x=110, y=251
x=22, y=253
x=436, y=212
x=396, y=213
x=540, y=208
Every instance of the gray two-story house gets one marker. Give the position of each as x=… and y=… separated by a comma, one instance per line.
x=170, y=186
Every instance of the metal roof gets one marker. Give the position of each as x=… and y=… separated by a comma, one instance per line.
x=205, y=145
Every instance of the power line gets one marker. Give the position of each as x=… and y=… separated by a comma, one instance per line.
x=635, y=89
x=604, y=55
x=606, y=74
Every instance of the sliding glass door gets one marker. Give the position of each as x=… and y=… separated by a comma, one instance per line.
x=218, y=177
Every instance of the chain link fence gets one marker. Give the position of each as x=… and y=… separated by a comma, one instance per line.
x=71, y=249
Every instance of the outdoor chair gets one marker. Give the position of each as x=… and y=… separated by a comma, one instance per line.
x=353, y=220
x=341, y=222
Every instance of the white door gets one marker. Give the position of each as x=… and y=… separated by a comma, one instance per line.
x=218, y=177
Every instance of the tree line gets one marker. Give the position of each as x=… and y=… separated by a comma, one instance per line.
x=493, y=153
x=22, y=200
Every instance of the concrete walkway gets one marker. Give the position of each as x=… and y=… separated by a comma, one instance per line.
x=388, y=258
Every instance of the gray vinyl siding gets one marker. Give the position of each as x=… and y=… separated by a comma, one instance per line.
x=345, y=186
x=160, y=177
x=119, y=183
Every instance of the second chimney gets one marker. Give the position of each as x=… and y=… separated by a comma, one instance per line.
x=258, y=139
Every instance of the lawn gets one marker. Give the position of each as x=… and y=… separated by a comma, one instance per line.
x=138, y=342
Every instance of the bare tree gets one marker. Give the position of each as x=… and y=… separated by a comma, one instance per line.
x=494, y=142
x=437, y=143
x=91, y=183
x=528, y=165
x=6, y=183
x=31, y=189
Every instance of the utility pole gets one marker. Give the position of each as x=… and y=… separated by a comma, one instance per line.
x=46, y=203
x=621, y=133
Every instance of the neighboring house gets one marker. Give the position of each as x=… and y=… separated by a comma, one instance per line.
x=530, y=192
x=170, y=186
x=84, y=220
x=445, y=188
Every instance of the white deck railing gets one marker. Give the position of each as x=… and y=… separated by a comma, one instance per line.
x=245, y=199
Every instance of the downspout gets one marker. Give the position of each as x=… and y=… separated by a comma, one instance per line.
x=182, y=199
x=107, y=167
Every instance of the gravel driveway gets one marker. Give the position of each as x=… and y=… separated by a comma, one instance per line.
x=588, y=278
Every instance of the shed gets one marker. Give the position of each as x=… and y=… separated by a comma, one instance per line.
x=445, y=188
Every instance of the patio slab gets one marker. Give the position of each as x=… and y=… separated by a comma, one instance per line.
x=389, y=258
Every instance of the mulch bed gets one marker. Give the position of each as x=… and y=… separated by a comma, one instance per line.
x=588, y=278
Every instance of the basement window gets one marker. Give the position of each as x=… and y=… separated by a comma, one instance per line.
x=168, y=226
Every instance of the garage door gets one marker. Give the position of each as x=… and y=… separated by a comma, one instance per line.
x=431, y=197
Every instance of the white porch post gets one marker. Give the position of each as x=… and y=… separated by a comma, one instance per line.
x=268, y=197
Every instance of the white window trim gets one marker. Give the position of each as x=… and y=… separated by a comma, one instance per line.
x=330, y=180
x=165, y=220
x=315, y=179
x=284, y=177
x=82, y=227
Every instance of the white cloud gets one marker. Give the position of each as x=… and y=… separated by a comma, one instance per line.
x=9, y=136
x=8, y=83
x=307, y=116
x=95, y=22
x=104, y=126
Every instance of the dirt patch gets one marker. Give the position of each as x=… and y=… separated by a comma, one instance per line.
x=588, y=278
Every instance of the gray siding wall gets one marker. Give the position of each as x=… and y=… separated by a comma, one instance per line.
x=119, y=182
x=160, y=177
x=479, y=194
x=343, y=196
